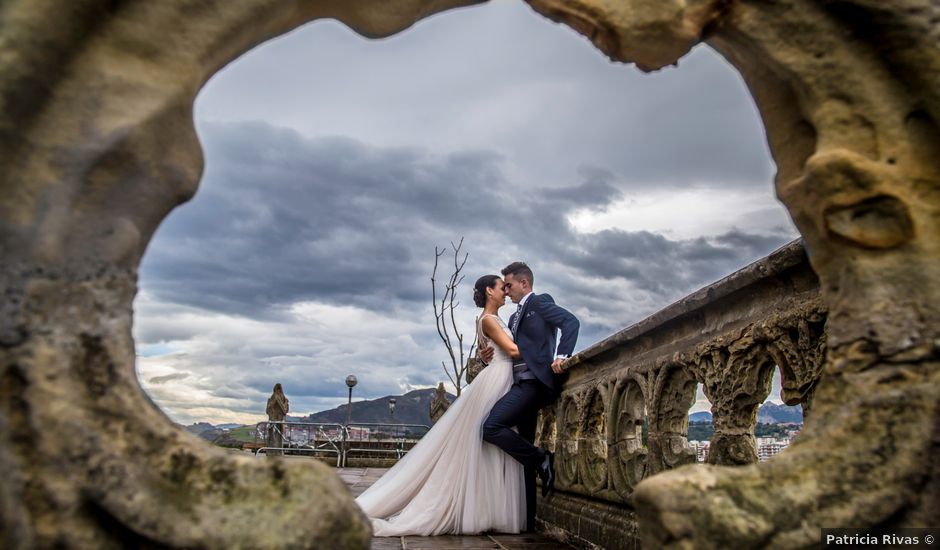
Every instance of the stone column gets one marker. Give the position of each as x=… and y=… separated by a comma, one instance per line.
x=737, y=375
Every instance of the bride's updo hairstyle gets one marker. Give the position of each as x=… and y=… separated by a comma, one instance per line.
x=479, y=289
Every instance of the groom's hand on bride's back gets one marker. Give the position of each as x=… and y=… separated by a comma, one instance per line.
x=485, y=354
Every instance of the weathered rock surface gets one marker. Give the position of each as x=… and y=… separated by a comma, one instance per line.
x=97, y=147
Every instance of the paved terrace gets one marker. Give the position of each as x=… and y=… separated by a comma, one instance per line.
x=359, y=479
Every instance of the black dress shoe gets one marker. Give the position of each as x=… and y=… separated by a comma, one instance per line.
x=548, y=475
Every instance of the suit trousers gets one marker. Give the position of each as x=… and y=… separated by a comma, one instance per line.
x=520, y=408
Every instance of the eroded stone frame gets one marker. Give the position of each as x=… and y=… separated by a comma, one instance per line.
x=98, y=146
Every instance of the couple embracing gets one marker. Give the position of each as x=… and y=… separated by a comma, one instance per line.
x=475, y=470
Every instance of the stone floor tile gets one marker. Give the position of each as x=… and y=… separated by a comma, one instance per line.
x=545, y=544
x=448, y=542
x=385, y=543
x=360, y=479
x=521, y=537
x=527, y=541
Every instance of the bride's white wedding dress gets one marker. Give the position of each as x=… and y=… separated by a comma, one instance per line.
x=453, y=482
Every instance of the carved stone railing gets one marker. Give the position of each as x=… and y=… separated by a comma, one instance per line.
x=729, y=337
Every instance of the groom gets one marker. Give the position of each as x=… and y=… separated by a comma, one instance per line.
x=535, y=379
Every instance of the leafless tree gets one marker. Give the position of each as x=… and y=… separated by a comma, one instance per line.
x=444, y=308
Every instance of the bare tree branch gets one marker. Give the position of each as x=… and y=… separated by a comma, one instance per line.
x=445, y=317
x=448, y=374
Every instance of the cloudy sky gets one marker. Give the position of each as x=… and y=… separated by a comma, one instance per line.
x=335, y=165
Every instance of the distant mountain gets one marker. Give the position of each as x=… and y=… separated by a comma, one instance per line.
x=198, y=427
x=768, y=413
x=411, y=408
x=204, y=430
x=772, y=413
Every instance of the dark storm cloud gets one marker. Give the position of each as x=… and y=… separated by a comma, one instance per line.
x=749, y=244
x=597, y=189
x=662, y=266
x=280, y=218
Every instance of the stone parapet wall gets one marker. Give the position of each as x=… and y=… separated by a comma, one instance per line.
x=729, y=337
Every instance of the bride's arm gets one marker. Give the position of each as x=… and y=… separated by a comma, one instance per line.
x=494, y=332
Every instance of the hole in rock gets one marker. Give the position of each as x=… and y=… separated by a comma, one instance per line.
x=701, y=426
x=777, y=423
x=334, y=165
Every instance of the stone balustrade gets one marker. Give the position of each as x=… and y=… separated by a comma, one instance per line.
x=729, y=337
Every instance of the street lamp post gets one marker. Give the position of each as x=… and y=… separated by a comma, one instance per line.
x=351, y=381
x=391, y=414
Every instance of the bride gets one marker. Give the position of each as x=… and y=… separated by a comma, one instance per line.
x=452, y=482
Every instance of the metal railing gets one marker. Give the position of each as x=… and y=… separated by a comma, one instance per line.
x=303, y=438
x=402, y=434
x=325, y=438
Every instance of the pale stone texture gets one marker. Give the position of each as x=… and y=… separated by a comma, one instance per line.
x=98, y=146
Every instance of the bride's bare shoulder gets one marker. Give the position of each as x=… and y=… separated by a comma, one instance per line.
x=488, y=319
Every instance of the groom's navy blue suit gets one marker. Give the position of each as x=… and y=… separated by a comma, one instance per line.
x=535, y=385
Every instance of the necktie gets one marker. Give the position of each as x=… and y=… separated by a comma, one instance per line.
x=516, y=318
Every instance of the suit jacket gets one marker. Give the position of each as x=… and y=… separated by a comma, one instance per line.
x=536, y=333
